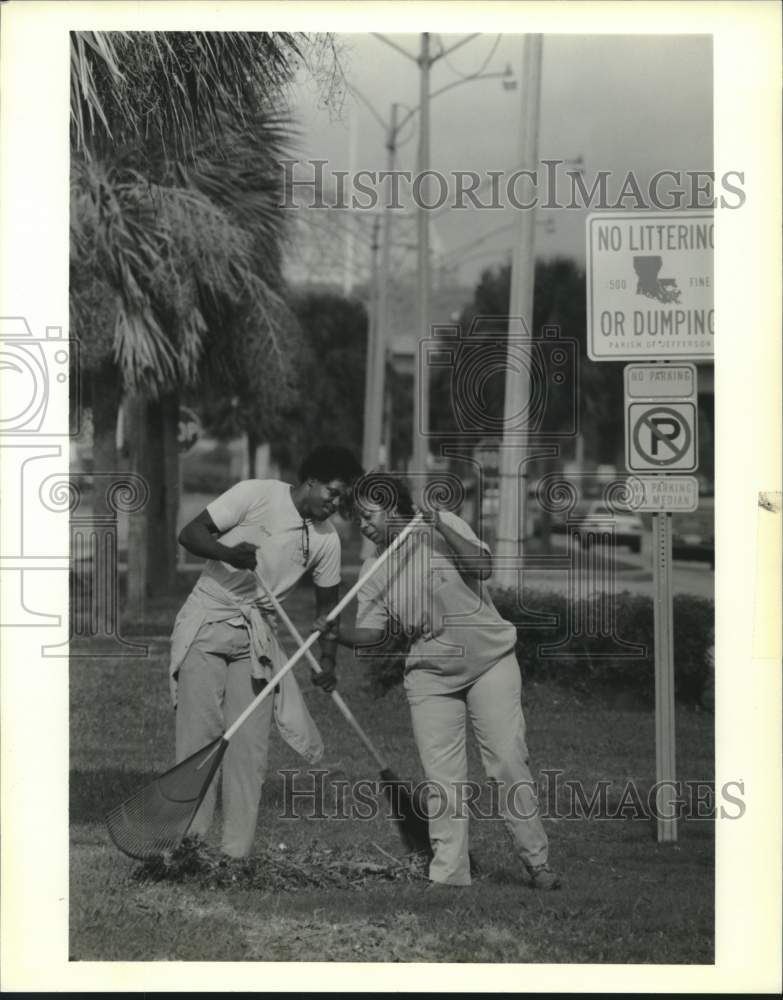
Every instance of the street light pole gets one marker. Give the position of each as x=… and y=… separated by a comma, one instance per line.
x=381, y=321
x=348, y=275
x=370, y=445
x=376, y=354
x=421, y=395
x=513, y=450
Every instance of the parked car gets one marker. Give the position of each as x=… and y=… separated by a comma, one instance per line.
x=693, y=536
x=628, y=527
x=490, y=502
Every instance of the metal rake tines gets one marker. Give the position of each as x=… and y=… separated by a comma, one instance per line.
x=145, y=828
x=156, y=818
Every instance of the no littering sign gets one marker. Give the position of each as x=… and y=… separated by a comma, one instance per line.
x=650, y=285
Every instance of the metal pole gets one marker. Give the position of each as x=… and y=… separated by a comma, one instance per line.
x=374, y=424
x=421, y=395
x=513, y=480
x=348, y=276
x=371, y=435
x=665, y=764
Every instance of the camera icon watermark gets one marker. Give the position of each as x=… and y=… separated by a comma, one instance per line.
x=31, y=369
x=478, y=364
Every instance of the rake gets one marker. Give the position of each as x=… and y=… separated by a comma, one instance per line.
x=154, y=820
x=409, y=815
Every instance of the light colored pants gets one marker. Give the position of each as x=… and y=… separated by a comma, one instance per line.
x=214, y=688
x=495, y=708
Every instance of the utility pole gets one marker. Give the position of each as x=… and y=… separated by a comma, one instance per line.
x=374, y=348
x=421, y=394
x=424, y=61
x=348, y=267
x=377, y=354
x=513, y=450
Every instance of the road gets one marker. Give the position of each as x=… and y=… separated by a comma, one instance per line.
x=633, y=572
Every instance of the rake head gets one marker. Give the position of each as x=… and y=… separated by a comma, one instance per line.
x=409, y=812
x=154, y=820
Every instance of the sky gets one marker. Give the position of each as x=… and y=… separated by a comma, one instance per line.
x=620, y=102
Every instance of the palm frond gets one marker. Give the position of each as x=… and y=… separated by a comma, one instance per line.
x=173, y=88
x=145, y=355
x=164, y=251
x=242, y=172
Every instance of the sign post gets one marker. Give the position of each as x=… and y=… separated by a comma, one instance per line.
x=665, y=762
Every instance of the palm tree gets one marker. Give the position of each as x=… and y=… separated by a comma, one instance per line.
x=173, y=90
x=175, y=234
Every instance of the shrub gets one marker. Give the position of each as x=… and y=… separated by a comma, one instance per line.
x=590, y=663
x=621, y=663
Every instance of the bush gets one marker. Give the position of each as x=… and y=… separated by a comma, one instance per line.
x=622, y=662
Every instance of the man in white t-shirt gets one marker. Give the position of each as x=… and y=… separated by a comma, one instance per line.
x=224, y=645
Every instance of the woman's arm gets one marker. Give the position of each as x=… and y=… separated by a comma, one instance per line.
x=351, y=636
x=470, y=558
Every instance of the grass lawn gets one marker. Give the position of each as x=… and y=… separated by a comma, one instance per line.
x=626, y=899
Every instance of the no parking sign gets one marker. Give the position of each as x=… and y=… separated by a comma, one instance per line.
x=660, y=418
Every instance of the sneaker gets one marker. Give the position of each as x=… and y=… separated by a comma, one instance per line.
x=542, y=877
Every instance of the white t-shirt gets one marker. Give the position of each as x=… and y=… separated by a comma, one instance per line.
x=261, y=511
x=422, y=583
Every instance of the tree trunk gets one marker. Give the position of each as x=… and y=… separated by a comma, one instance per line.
x=546, y=466
x=252, y=447
x=136, y=431
x=163, y=477
x=172, y=482
x=105, y=394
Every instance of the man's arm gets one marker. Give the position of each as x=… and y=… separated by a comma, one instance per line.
x=198, y=537
x=469, y=557
x=325, y=599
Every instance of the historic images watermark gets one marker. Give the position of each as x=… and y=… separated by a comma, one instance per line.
x=312, y=184
x=475, y=359
x=316, y=793
x=479, y=434
x=35, y=370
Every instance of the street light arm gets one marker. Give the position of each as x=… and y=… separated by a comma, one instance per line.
x=394, y=45
x=469, y=79
x=455, y=46
x=450, y=86
x=376, y=114
x=432, y=59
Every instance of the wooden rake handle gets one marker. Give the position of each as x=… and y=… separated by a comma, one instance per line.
x=336, y=696
x=313, y=637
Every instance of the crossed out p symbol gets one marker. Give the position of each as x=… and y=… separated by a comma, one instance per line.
x=664, y=428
